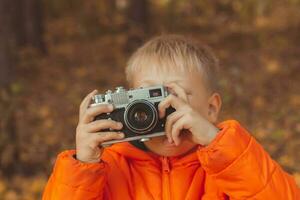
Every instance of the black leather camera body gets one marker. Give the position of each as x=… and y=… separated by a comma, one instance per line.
x=137, y=110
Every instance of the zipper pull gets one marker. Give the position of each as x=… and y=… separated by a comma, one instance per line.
x=165, y=164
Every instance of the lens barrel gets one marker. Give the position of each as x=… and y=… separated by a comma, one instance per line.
x=140, y=116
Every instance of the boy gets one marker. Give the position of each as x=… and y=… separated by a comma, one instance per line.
x=197, y=159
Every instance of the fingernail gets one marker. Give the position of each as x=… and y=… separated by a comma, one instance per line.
x=120, y=124
x=110, y=106
x=160, y=114
x=121, y=134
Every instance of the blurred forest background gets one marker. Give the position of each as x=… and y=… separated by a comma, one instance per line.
x=52, y=53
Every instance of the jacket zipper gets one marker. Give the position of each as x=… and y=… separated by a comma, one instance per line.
x=166, y=178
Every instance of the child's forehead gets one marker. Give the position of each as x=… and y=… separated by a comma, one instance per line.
x=151, y=75
x=187, y=80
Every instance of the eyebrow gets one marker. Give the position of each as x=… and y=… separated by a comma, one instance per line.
x=149, y=81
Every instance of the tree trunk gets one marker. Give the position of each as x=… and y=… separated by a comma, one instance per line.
x=30, y=24
x=8, y=136
x=7, y=41
x=138, y=23
x=138, y=13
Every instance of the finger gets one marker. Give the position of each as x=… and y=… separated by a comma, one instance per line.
x=103, y=124
x=86, y=101
x=101, y=137
x=92, y=112
x=179, y=91
x=170, y=100
x=171, y=119
x=176, y=128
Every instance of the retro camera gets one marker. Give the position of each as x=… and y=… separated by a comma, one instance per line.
x=137, y=110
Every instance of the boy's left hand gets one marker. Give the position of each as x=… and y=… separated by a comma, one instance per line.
x=185, y=117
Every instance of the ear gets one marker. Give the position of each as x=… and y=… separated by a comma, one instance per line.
x=214, y=107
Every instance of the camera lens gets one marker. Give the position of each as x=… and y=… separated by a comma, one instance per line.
x=140, y=116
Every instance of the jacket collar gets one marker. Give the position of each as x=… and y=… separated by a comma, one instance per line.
x=136, y=155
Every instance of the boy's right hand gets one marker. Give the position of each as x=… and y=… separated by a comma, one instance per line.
x=88, y=132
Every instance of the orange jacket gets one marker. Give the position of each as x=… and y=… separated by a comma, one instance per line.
x=234, y=166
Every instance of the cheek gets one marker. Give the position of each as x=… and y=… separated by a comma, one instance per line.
x=199, y=104
x=155, y=141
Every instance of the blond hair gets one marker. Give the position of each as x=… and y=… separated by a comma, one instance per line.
x=169, y=52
